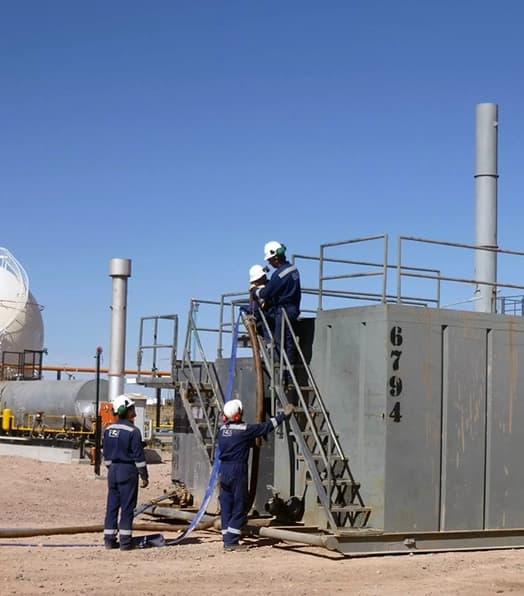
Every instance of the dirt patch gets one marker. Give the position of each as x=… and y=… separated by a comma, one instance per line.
x=40, y=495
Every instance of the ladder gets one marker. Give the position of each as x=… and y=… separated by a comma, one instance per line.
x=318, y=445
x=200, y=390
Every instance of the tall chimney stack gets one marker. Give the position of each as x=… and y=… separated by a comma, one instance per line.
x=119, y=271
x=486, y=180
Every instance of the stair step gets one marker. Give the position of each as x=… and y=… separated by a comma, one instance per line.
x=349, y=509
x=319, y=456
x=320, y=433
x=313, y=410
x=337, y=482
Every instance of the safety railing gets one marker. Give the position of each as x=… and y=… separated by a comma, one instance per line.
x=504, y=304
x=158, y=338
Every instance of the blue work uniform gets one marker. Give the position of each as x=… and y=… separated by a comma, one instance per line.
x=256, y=307
x=124, y=455
x=284, y=292
x=234, y=442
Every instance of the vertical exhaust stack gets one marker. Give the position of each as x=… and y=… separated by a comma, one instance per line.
x=486, y=179
x=119, y=271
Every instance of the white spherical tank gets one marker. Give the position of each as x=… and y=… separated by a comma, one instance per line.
x=21, y=324
x=26, y=331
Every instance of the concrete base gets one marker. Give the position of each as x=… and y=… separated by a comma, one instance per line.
x=41, y=453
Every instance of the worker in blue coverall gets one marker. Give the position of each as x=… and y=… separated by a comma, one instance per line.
x=124, y=455
x=284, y=291
x=234, y=441
x=258, y=279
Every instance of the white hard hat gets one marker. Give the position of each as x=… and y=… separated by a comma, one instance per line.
x=121, y=403
x=256, y=272
x=233, y=409
x=274, y=249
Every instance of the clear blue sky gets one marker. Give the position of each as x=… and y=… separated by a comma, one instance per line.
x=186, y=134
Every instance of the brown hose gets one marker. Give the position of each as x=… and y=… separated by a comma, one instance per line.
x=25, y=532
x=259, y=409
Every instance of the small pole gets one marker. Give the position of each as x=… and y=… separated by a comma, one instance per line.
x=98, y=429
x=158, y=406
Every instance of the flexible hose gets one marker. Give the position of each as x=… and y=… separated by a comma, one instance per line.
x=259, y=408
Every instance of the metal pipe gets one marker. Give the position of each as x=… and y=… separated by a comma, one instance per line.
x=206, y=522
x=98, y=427
x=486, y=177
x=324, y=540
x=119, y=271
x=328, y=541
x=25, y=532
x=262, y=527
x=91, y=369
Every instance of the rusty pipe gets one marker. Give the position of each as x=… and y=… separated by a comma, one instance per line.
x=262, y=527
x=206, y=522
x=323, y=540
x=25, y=532
x=249, y=322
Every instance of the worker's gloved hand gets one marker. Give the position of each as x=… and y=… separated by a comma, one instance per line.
x=144, y=477
x=288, y=410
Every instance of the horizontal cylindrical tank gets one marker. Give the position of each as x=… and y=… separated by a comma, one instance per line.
x=74, y=400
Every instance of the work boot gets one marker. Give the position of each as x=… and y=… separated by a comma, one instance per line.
x=110, y=544
x=127, y=546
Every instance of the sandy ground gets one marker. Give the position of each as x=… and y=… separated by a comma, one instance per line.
x=45, y=495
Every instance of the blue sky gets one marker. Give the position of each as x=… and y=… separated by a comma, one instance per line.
x=185, y=134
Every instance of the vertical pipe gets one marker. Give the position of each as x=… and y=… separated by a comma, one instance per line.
x=119, y=271
x=486, y=178
x=98, y=427
x=158, y=392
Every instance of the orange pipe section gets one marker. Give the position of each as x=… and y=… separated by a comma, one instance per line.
x=88, y=369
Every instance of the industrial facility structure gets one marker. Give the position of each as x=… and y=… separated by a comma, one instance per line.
x=408, y=425
x=407, y=432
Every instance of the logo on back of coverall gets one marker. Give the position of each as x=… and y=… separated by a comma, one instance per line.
x=114, y=432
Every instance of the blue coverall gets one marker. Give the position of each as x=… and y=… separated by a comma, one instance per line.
x=284, y=292
x=234, y=441
x=255, y=309
x=125, y=457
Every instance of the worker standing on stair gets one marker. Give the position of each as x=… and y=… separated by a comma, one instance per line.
x=234, y=441
x=125, y=458
x=257, y=280
x=284, y=291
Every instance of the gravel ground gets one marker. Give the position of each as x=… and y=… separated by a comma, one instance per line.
x=48, y=495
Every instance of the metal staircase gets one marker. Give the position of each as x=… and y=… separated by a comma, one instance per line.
x=318, y=445
x=200, y=389
x=312, y=431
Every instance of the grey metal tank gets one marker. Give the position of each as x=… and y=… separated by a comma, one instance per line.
x=73, y=399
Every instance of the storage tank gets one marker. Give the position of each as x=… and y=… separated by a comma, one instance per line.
x=21, y=324
x=73, y=399
x=26, y=330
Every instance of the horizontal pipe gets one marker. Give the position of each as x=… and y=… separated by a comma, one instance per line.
x=206, y=522
x=25, y=532
x=90, y=369
x=324, y=540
